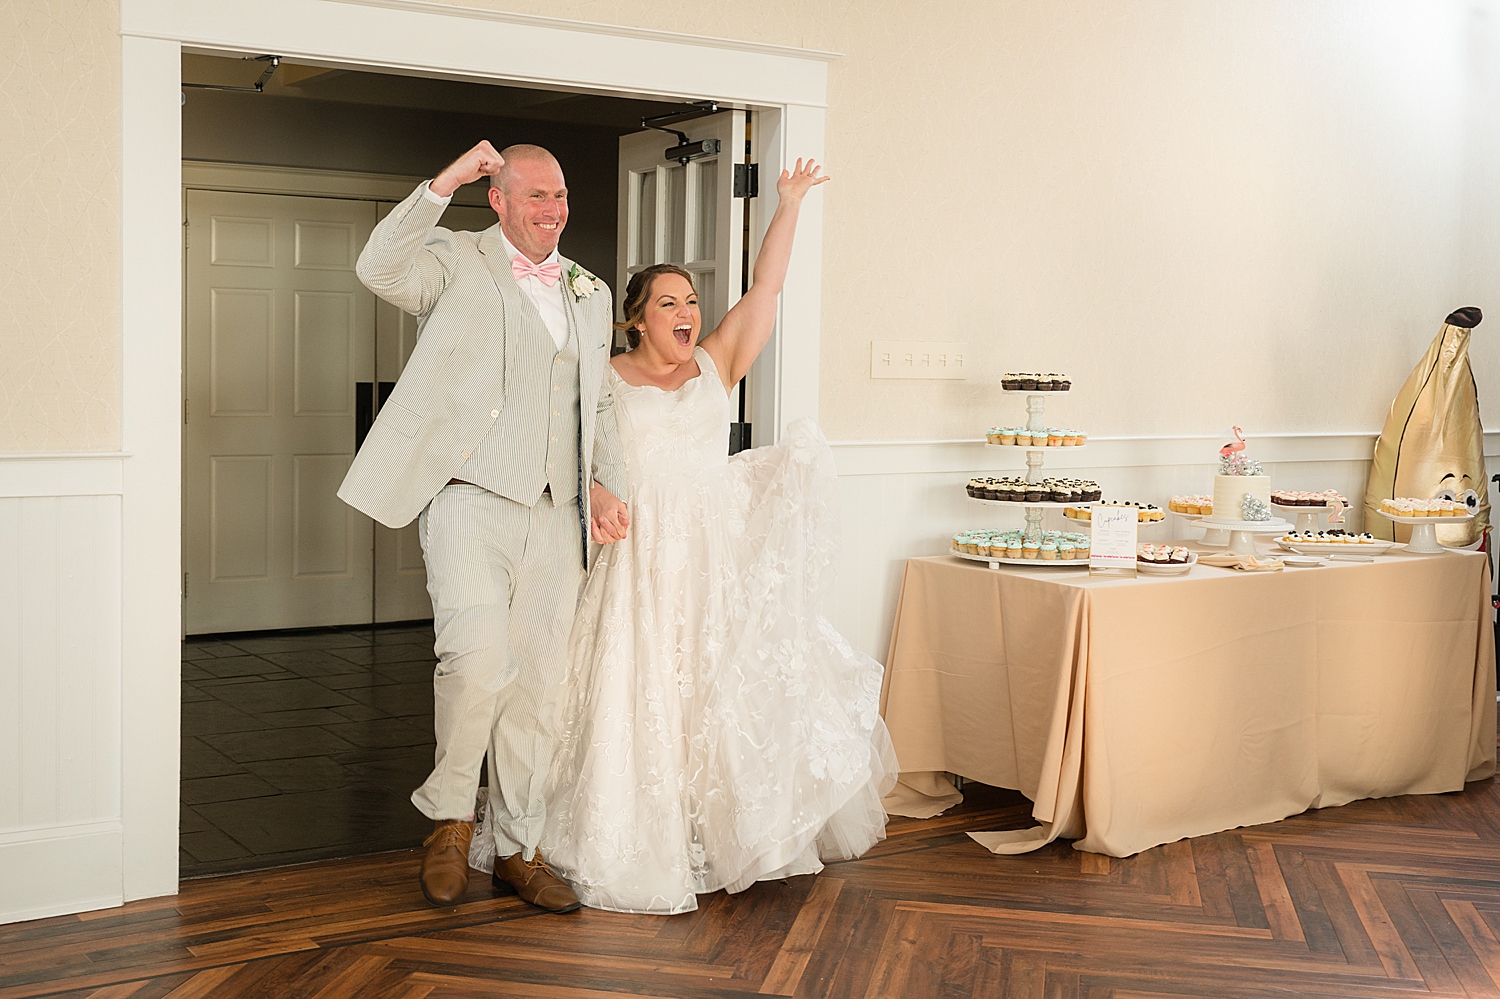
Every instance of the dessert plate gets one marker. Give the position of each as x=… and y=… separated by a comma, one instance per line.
x=1302, y=561
x=1164, y=569
x=1030, y=563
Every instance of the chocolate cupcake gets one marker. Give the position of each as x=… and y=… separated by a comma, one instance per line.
x=1062, y=383
x=1028, y=383
x=1034, y=493
x=1011, y=382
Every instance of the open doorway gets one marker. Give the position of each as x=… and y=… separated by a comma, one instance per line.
x=307, y=703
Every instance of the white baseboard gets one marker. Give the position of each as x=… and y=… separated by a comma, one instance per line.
x=61, y=870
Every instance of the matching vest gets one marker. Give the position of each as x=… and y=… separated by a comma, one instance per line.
x=517, y=459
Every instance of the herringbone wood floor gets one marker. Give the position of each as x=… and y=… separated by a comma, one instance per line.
x=1399, y=897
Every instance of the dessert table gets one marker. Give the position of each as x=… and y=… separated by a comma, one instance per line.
x=1135, y=712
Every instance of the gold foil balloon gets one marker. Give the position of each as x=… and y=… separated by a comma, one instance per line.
x=1433, y=443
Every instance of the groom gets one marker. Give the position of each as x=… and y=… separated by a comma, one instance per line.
x=499, y=435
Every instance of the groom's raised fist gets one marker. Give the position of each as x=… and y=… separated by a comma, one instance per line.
x=484, y=160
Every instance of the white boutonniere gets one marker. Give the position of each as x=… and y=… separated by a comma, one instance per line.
x=581, y=283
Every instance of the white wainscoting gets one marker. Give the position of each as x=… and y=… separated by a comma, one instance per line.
x=60, y=750
x=905, y=499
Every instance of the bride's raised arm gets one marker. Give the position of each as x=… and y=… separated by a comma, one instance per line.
x=738, y=340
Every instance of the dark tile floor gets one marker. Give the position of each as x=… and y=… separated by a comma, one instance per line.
x=302, y=746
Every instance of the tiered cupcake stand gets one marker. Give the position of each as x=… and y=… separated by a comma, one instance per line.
x=1036, y=403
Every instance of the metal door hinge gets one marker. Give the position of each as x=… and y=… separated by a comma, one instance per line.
x=747, y=180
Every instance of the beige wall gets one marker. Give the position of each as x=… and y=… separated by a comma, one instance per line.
x=60, y=225
x=1254, y=212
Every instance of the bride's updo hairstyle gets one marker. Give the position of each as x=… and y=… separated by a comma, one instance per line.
x=638, y=292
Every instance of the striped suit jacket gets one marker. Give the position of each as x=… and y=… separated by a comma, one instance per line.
x=453, y=388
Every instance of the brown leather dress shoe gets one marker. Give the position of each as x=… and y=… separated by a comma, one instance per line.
x=535, y=882
x=445, y=869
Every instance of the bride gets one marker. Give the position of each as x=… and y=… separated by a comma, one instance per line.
x=713, y=729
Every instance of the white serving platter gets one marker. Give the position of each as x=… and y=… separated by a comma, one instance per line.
x=1377, y=547
x=1424, y=520
x=1037, y=447
x=1030, y=563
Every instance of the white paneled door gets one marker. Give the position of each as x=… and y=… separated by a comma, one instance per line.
x=279, y=336
x=684, y=214
x=400, y=574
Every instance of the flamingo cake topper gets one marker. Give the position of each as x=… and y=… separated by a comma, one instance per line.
x=1232, y=457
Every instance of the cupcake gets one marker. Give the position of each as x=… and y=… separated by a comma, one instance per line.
x=1044, y=383
x=1054, y=437
x=1061, y=383
x=1084, y=546
x=1028, y=382
x=1070, y=438
x=1083, y=438
x=1007, y=435
x=1023, y=437
x=1013, y=547
x=1049, y=550
x=1010, y=382
x=1066, y=550
x=1030, y=549
x=993, y=435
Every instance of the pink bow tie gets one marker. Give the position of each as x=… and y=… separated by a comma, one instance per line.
x=548, y=274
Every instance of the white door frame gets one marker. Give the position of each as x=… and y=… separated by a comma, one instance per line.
x=403, y=36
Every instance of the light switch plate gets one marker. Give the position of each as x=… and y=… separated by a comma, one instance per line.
x=918, y=359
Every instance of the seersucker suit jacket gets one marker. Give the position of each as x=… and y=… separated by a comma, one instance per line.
x=460, y=286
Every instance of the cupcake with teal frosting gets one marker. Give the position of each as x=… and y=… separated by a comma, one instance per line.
x=1049, y=550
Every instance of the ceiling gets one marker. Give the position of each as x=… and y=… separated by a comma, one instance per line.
x=618, y=114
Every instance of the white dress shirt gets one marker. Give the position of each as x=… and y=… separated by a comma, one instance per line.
x=548, y=301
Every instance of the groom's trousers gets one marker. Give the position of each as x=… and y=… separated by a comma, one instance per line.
x=504, y=580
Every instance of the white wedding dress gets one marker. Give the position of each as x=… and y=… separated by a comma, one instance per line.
x=713, y=729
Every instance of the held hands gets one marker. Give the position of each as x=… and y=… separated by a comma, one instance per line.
x=481, y=161
x=608, y=516
x=795, y=183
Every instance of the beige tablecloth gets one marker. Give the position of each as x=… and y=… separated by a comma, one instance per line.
x=1135, y=712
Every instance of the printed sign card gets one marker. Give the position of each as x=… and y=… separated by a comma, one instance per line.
x=1113, y=544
